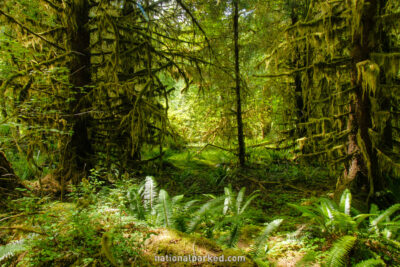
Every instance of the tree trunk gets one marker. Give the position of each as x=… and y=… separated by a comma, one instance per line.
x=242, y=148
x=77, y=157
x=361, y=173
x=301, y=109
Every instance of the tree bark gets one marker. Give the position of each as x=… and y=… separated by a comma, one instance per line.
x=301, y=108
x=361, y=173
x=77, y=156
x=239, y=119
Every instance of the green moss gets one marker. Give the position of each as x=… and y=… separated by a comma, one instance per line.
x=249, y=232
x=175, y=243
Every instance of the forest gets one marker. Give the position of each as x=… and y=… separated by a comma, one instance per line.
x=200, y=133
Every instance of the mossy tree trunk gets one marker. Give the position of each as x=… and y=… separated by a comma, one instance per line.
x=300, y=60
x=78, y=151
x=349, y=77
x=362, y=171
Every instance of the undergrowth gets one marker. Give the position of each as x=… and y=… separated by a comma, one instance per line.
x=115, y=224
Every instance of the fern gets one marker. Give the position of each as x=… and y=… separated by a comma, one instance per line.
x=9, y=250
x=180, y=212
x=180, y=216
x=228, y=199
x=149, y=192
x=239, y=200
x=385, y=215
x=234, y=234
x=176, y=200
x=310, y=212
x=333, y=218
x=236, y=216
x=189, y=204
x=384, y=225
x=371, y=263
x=251, y=197
x=269, y=228
x=340, y=250
x=345, y=202
x=135, y=204
x=212, y=206
x=164, y=209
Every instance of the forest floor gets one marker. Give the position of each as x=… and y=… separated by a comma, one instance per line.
x=95, y=228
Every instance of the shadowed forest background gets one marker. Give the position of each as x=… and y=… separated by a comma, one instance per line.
x=253, y=129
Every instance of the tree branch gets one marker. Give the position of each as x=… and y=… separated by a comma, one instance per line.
x=29, y=30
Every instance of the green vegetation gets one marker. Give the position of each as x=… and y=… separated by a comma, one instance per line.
x=222, y=132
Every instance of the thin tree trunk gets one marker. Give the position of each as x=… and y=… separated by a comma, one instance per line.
x=242, y=149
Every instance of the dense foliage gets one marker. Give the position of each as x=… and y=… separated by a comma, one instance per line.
x=135, y=129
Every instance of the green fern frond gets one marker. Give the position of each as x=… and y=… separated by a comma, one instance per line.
x=189, y=204
x=177, y=199
x=342, y=222
x=371, y=263
x=164, y=209
x=327, y=208
x=313, y=213
x=340, y=250
x=374, y=209
x=212, y=206
x=149, y=192
x=181, y=211
x=393, y=225
x=9, y=250
x=239, y=199
x=361, y=217
x=248, y=201
x=345, y=202
x=306, y=211
x=386, y=214
x=229, y=195
x=234, y=235
x=135, y=204
x=268, y=229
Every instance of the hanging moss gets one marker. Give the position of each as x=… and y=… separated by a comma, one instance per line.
x=368, y=75
x=345, y=80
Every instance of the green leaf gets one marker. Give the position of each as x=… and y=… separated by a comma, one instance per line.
x=338, y=253
x=268, y=229
x=247, y=203
x=149, y=192
x=345, y=202
x=10, y=249
x=164, y=208
x=239, y=199
x=386, y=214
